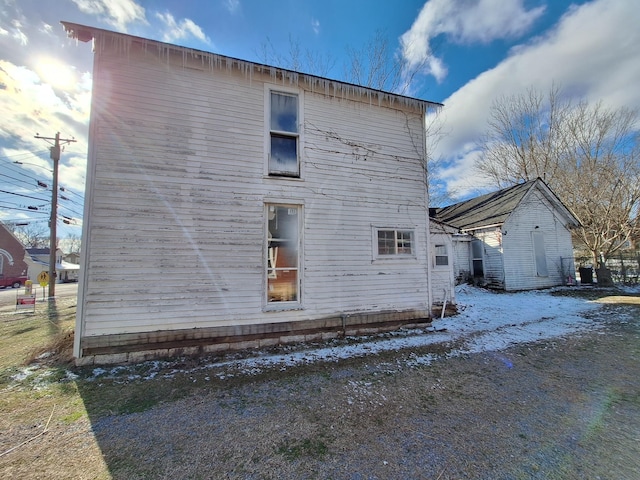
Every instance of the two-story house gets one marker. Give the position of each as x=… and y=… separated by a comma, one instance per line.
x=233, y=204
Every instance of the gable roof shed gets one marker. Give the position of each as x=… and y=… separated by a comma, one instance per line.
x=493, y=209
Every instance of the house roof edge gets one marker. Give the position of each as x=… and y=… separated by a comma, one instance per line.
x=84, y=33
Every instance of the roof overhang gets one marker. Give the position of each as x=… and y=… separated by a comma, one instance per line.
x=106, y=38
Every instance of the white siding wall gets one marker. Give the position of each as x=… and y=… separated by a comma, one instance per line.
x=176, y=192
x=520, y=265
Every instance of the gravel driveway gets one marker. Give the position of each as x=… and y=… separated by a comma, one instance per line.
x=567, y=408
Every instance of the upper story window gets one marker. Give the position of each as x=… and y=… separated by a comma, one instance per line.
x=284, y=136
x=395, y=242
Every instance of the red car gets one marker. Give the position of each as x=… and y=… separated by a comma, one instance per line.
x=14, y=282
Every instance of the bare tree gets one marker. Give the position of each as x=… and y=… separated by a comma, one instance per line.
x=588, y=154
x=313, y=63
x=71, y=243
x=524, y=139
x=378, y=65
x=31, y=235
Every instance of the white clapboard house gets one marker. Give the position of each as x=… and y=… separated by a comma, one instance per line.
x=518, y=238
x=231, y=204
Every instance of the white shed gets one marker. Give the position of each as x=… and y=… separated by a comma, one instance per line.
x=518, y=238
x=231, y=204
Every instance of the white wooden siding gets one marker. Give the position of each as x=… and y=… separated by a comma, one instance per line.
x=520, y=267
x=175, y=226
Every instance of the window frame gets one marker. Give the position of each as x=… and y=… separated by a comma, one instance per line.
x=436, y=256
x=477, y=244
x=267, y=267
x=270, y=133
x=395, y=229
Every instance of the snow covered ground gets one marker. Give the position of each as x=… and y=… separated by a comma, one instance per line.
x=488, y=321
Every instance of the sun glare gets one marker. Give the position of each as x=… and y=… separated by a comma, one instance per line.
x=55, y=73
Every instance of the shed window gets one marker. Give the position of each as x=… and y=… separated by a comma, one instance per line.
x=284, y=136
x=442, y=258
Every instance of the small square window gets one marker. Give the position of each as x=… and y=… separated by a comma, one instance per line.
x=442, y=258
x=395, y=242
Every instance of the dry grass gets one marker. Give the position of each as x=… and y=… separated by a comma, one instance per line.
x=565, y=409
x=56, y=351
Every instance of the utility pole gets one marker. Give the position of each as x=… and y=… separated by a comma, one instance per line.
x=53, y=220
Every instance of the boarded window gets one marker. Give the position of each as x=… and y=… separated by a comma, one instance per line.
x=540, y=254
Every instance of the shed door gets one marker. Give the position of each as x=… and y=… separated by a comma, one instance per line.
x=540, y=254
x=476, y=258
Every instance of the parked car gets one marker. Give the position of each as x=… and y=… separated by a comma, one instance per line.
x=13, y=282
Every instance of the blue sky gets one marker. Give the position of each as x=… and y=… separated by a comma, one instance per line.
x=475, y=51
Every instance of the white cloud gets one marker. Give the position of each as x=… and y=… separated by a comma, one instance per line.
x=592, y=51
x=180, y=30
x=463, y=22
x=315, y=25
x=232, y=5
x=32, y=106
x=118, y=13
x=18, y=33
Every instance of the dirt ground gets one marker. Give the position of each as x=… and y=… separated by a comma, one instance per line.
x=563, y=409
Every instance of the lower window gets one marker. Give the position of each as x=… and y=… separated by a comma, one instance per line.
x=283, y=253
x=393, y=242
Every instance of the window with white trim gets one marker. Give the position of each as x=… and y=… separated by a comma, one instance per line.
x=442, y=257
x=392, y=242
x=284, y=136
x=283, y=253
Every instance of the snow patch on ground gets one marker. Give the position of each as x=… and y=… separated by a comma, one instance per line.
x=488, y=321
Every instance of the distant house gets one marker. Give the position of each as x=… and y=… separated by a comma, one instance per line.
x=12, y=254
x=518, y=238
x=38, y=261
x=232, y=204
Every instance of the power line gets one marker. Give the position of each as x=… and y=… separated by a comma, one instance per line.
x=16, y=179
x=21, y=195
x=25, y=210
x=55, y=156
x=27, y=154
